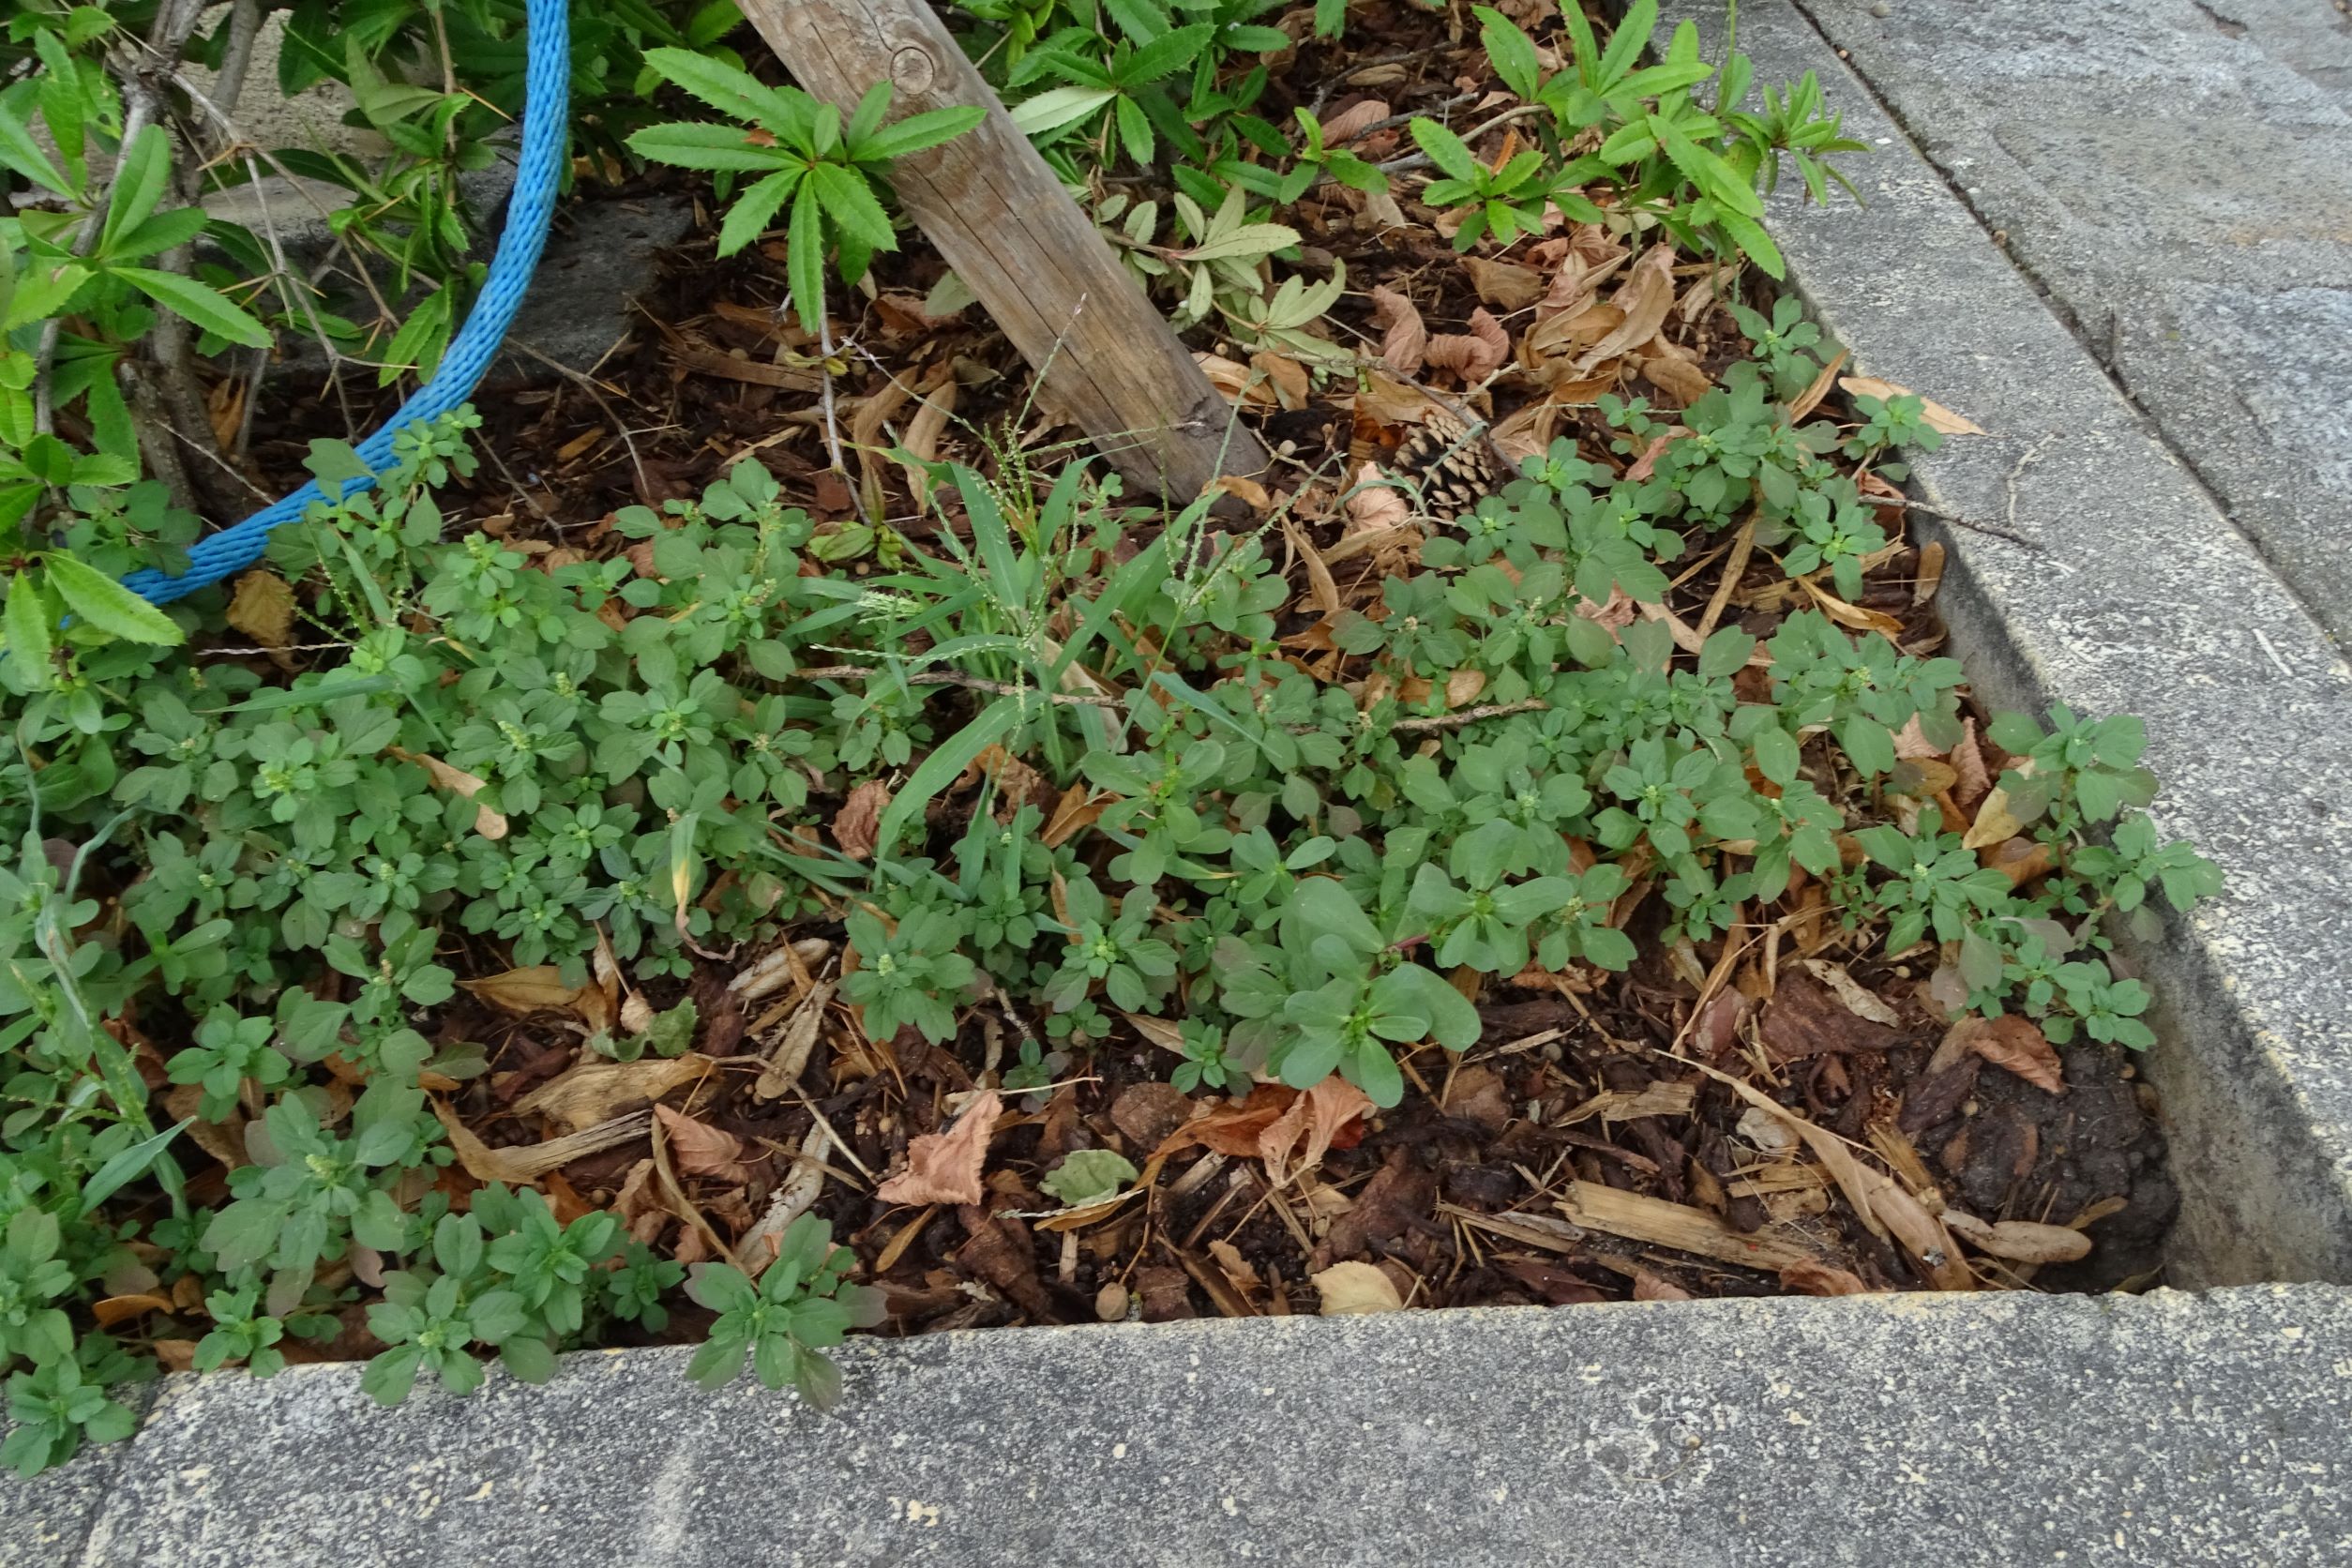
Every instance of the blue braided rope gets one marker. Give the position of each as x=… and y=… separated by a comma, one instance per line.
x=545, y=85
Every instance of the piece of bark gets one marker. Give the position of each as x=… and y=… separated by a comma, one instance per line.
x=1000, y=217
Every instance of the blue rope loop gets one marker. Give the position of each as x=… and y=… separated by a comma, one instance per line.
x=545, y=88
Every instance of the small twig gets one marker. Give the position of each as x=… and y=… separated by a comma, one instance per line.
x=824, y=366
x=1468, y=715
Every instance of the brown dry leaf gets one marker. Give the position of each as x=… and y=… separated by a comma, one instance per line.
x=1660, y=1222
x=1930, y=574
x=1463, y=686
x=1827, y=1147
x=1236, y=1267
x=1858, y=999
x=1822, y=1279
x=1320, y=1116
x=1353, y=121
x=1810, y=399
x=1237, y=382
x=789, y=1057
x=1234, y=1127
x=489, y=823
x=263, y=608
x=1650, y=1288
x=1356, y=1288
x=1911, y=744
x=923, y=433
x=2015, y=1043
x=539, y=988
x=1506, y=284
x=1407, y=341
x=1018, y=784
x=1475, y=354
x=1994, y=821
x=642, y=1214
x=1245, y=489
x=1077, y=810
x=595, y=1091
x=521, y=1164
x=1645, y=297
x=1374, y=506
x=122, y=1309
x=1557, y=335
x=1528, y=433
x=1292, y=385
x=1921, y=1234
x=1852, y=616
x=1321, y=590
x=944, y=1168
x=703, y=1150
x=1934, y=413
x=1671, y=369
x=2020, y=1241
x=1158, y=1031
x=860, y=818
x=2021, y=860
x=1974, y=782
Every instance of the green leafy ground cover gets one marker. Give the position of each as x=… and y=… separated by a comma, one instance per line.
x=1060, y=779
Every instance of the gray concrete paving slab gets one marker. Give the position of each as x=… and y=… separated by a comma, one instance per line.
x=2178, y=175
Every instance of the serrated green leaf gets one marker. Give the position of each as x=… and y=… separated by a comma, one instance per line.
x=107, y=605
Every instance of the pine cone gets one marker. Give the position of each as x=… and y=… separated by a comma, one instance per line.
x=1455, y=468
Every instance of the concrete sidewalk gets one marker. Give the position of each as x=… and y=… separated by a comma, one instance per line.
x=1993, y=1430
x=2178, y=175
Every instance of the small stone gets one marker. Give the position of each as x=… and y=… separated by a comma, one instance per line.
x=1882, y=10
x=1111, y=1302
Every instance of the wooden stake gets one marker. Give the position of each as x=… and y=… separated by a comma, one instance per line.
x=1001, y=219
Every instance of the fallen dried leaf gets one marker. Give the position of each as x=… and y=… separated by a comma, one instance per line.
x=521, y=1164
x=1319, y=1116
x=1822, y=1279
x=539, y=988
x=703, y=1150
x=263, y=608
x=944, y=1168
x=1473, y=356
x=1645, y=297
x=1679, y=1226
x=2020, y=1241
x=2015, y=1043
x=860, y=818
x=1353, y=121
x=1407, y=341
x=1506, y=284
x=1373, y=505
x=594, y=1092
x=1356, y=1288
x=1858, y=1000
x=1650, y=1288
x=1234, y=1127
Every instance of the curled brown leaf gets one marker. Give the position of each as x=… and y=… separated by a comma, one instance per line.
x=1407, y=343
x=1475, y=354
x=944, y=1168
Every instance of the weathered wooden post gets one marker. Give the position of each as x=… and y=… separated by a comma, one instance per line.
x=1001, y=219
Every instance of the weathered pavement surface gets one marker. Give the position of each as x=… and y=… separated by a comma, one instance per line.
x=1994, y=1430
x=2178, y=175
